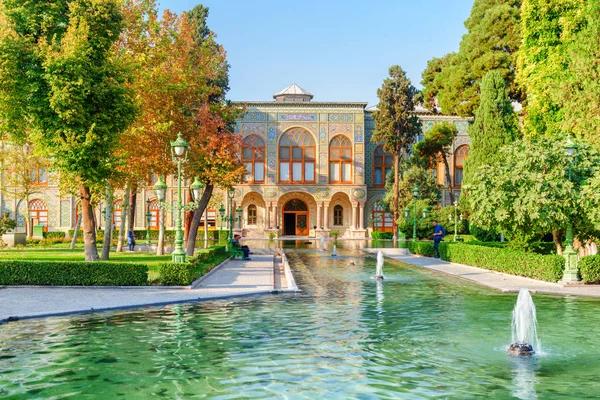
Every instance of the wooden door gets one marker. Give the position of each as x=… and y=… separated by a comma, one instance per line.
x=302, y=224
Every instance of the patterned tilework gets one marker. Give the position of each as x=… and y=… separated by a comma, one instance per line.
x=323, y=146
x=462, y=127
x=139, y=212
x=358, y=133
x=254, y=129
x=297, y=117
x=337, y=129
x=323, y=117
x=65, y=213
x=255, y=117
x=341, y=117
x=272, y=134
x=20, y=214
x=272, y=117
x=358, y=118
x=369, y=148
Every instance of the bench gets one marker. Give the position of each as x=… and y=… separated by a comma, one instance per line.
x=235, y=251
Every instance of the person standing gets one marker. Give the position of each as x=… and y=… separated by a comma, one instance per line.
x=131, y=241
x=438, y=234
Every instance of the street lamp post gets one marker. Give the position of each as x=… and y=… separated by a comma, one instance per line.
x=148, y=216
x=231, y=218
x=571, y=273
x=179, y=152
x=415, y=218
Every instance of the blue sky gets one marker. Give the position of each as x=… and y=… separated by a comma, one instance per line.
x=339, y=50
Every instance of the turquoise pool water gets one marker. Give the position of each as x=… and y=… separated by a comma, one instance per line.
x=416, y=336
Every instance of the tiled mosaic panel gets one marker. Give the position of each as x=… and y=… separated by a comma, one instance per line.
x=65, y=213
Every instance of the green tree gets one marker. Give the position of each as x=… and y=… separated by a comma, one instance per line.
x=528, y=193
x=550, y=28
x=581, y=99
x=491, y=42
x=435, y=146
x=396, y=125
x=58, y=65
x=495, y=125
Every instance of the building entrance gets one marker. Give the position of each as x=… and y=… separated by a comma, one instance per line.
x=295, y=218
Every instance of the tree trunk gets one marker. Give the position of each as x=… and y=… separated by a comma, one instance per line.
x=124, y=213
x=189, y=250
x=160, y=246
x=75, y=232
x=108, y=228
x=132, y=208
x=189, y=216
x=447, y=168
x=89, y=235
x=556, y=240
x=396, y=195
x=205, y=230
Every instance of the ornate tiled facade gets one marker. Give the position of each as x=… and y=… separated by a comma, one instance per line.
x=345, y=207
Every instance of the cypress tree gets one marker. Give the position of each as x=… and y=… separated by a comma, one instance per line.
x=494, y=36
x=495, y=125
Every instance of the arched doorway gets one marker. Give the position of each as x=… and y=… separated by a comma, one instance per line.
x=295, y=218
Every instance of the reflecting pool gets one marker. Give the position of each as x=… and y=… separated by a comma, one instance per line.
x=417, y=335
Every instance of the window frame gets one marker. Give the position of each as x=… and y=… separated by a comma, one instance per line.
x=255, y=143
x=298, y=138
x=254, y=220
x=463, y=152
x=340, y=208
x=379, y=151
x=340, y=142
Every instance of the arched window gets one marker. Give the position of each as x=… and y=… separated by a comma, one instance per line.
x=297, y=157
x=459, y=159
x=338, y=215
x=38, y=212
x=117, y=213
x=252, y=216
x=382, y=220
x=340, y=160
x=382, y=165
x=154, y=210
x=253, y=157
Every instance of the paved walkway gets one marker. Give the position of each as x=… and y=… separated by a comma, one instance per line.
x=233, y=279
x=497, y=280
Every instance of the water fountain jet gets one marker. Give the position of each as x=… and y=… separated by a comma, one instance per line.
x=524, y=326
x=379, y=270
x=334, y=253
x=322, y=244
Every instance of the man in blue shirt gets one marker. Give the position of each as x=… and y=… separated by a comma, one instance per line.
x=438, y=234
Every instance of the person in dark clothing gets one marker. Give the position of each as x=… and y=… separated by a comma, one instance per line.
x=245, y=249
x=438, y=234
x=131, y=241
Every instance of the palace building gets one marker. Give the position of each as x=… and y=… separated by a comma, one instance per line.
x=312, y=168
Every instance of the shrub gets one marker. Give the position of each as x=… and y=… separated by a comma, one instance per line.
x=181, y=274
x=272, y=235
x=334, y=234
x=382, y=235
x=589, y=268
x=543, y=267
x=7, y=224
x=71, y=273
x=483, y=235
x=422, y=248
x=171, y=274
x=54, y=235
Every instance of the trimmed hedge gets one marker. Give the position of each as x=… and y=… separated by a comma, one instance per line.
x=177, y=274
x=422, y=248
x=72, y=273
x=589, y=268
x=543, y=267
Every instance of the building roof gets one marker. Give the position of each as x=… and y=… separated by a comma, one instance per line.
x=293, y=90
